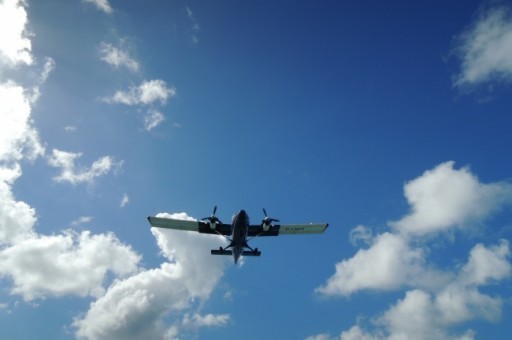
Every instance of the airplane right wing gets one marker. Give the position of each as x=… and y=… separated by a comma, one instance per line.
x=287, y=229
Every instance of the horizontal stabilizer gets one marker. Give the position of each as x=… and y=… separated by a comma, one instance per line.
x=251, y=253
x=221, y=252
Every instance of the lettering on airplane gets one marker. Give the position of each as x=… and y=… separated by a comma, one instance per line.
x=294, y=229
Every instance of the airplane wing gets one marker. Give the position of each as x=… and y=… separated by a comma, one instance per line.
x=287, y=229
x=198, y=226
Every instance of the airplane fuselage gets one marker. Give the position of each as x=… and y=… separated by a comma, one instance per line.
x=240, y=227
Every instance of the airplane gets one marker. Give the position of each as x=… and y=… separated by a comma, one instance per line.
x=238, y=231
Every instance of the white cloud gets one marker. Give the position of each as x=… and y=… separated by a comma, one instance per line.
x=134, y=308
x=208, y=320
x=444, y=198
x=388, y=264
x=16, y=218
x=438, y=300
x=17, y=135
x=124, y=201
x=81, y=220
x=412, y=317
x=486, y=48
x=65, y=264
x=487, y=264
x=117, y=57
x=102, y=5
x=41, y=266
x=195, y=28
x=148, y=92
x=66, y=162
x=360, y=234
x=153, y=119
x=356, y=333
x=15, y=46
x=323, y=336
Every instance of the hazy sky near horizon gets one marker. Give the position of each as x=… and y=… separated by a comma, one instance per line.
x=390, y=121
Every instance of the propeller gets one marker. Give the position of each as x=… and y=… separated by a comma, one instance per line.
x=268, y=220
x=213, y=218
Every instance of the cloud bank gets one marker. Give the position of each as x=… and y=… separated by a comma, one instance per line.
x=135, y=308
x=436, y=300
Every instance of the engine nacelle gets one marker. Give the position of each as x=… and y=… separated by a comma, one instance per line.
x=213, y=225
x=266, y=226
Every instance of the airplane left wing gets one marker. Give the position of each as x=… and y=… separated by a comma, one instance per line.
x=197, y=226
x=287, y=229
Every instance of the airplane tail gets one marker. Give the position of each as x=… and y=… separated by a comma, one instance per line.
x=221, y=252
x=230, y=252
x=251, y=253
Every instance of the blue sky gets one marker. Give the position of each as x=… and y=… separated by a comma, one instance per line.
x=389, y=121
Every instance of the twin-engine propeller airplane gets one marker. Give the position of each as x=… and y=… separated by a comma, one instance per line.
x=238, y=231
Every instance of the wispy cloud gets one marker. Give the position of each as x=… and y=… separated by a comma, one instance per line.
x=124, y=201
x=208, y=320
x=102, y=5
x=66, y=162
x=485, y=49
x=148, y=92
x=195, y=28
x=81, y=220
x=152, y=119
x=117, y=57
x=443, y=199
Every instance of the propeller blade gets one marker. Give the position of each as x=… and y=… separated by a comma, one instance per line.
x=212, y=218
x=268, y=220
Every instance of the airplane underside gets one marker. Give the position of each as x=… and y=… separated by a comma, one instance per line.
x=239, y=232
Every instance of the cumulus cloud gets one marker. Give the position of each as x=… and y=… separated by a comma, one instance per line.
x=117, y=58
x=356, y=333
x=67, y=264
x=148, y=92
x=66, y=162
x=387, y=264
x=16, y=217
x=102, y=5
x=485, y=49
x=134, y=308
x=445, y=198
x=18, y=137
x=15, y=45
x=437, y=300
